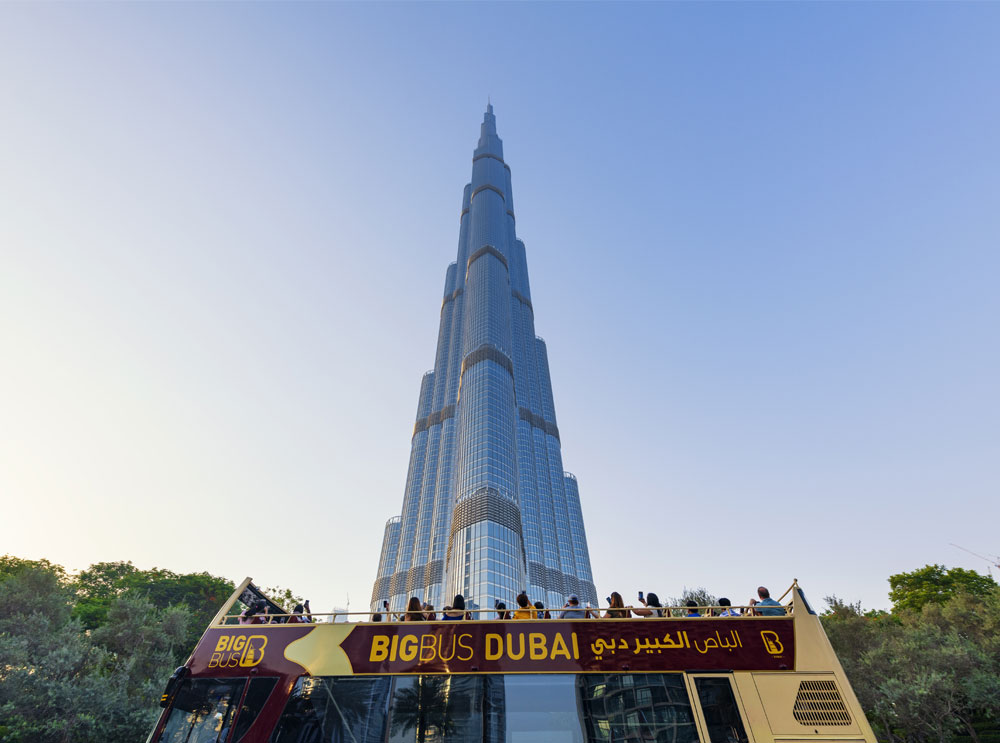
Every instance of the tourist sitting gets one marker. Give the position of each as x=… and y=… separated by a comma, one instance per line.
x=728, y=610
x=572, y=609
x=616, y=607
x=692, y=609
x=456, y=610
x=377, y=617
x=541, y=611
x=766, y=606
x=300, y=614
x=429, y=614
x=651, y=600
x=501, y=609
x=524, y=608
x=414, y=610
x=256, y=613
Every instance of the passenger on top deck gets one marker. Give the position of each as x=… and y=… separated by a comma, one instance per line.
x=572, y=609
x=501, y=609
x=616, y=607
x=457, y=609
x=692, y=609
x=651, y=600
x=771, y=607
x=429, y=614
x=300, y=614
x=524, y=608
x=414, y=610
x=256, y=613
x=729, y=611
x=542, y=612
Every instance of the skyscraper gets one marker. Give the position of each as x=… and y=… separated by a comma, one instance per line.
x=487, y=510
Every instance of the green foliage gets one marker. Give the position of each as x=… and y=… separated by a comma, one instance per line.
x=935, y=584
x=283, y=597
x=103, y=583
x=84, y=659
x=10, y=565
x=927, y=675
x=59, y=683
x=699, y=595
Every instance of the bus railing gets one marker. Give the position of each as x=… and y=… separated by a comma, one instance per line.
x=482, y=614
x=249, y=595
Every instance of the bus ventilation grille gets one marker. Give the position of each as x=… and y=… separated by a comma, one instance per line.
x=820, y=703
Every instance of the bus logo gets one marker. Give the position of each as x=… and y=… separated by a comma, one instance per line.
x=771, y=642
x=238, y=651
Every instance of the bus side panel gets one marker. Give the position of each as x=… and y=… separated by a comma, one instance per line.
x=804, y=706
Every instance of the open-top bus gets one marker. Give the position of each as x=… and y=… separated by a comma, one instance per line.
x=743, y=679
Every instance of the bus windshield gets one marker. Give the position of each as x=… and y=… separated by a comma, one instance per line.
x=203, y=710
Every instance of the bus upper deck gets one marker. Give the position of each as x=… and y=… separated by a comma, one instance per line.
x=743, y=679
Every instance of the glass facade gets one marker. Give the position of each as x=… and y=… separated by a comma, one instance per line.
x=487, y=510
x=597, y=708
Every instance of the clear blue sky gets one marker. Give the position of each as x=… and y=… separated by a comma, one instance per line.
x=763, y=245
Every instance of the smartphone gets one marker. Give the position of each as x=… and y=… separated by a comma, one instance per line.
x=385, y=604
x=608, y=599
x=640, y=595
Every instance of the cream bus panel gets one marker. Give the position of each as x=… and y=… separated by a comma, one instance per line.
x=804, y=704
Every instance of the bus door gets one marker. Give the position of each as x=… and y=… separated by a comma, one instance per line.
x=717, y=709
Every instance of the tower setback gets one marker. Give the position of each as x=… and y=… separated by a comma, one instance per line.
x=488, y=510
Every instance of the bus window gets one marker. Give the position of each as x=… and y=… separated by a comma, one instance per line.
x=448, y=708
x=718, y=705
x=549, y=708
x=260, y=689
x=335, y=708
x=644, y=706
x=534, y=709
x=202, y=711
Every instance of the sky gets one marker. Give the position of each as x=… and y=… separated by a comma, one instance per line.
x=762, y=242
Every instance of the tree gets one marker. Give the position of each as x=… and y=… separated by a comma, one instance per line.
x=855, y=635
x=61, y=683
x=103, y=583
x=935, y=584
x=97, y=587
x=10, y=565
x=699, y=595
x=923, y=675
x=141, y=641
x=283, y=597
x=423, y=706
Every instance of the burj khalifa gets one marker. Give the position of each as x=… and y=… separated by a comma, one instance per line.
x=488, y=510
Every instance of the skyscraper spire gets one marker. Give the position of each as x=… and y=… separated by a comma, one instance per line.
x=488, y=139
x=487, y=510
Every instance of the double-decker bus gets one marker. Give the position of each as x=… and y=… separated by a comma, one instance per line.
x=737, y=679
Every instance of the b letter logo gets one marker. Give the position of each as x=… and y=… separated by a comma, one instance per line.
x=771, y=642
x=234, y=651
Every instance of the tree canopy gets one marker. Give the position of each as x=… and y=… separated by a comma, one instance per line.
x=100, y=585
x=84, y=658
x=935, y=584
x=929, y=671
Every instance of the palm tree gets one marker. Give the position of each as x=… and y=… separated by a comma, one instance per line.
x=423, y=706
